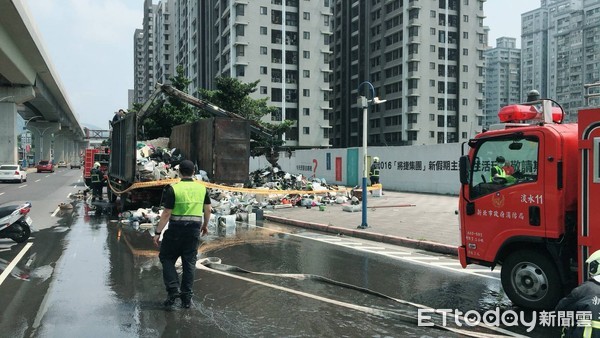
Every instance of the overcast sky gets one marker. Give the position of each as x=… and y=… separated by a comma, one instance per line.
x=90, y=44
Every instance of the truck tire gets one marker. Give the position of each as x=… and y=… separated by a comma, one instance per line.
x=531, y=280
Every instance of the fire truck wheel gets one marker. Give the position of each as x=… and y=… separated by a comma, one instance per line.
x=531, y=280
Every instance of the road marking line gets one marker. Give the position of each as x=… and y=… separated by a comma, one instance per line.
x=22, y=186
x=398, y=253
x=14, y=262
x=483, y=270
x=1, y=193
x=425, y=258
x=38, y=180
x=55, y=212
x=449, y=263
x=371, y=248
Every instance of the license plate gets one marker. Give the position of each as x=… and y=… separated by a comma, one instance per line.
x=28, y=220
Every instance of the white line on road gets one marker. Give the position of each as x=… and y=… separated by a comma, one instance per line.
x=38, y=180
x=55, y=212
x=14, y=262
x=1, y=193
x=398, y=253
x=22, y=186
x=425, y=258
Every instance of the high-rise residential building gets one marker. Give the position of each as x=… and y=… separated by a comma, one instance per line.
x=425, y=59
x=285, y=45
x=502, y=77
x=282, y=43
x=147, y=64
x=560, y=48
x=139, y=65
x=194, y=41
x=163, y=61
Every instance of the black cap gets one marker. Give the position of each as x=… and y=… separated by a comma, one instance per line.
x=186, y=167
x=500, y=159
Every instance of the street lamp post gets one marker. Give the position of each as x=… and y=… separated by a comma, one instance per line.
x=364, y=103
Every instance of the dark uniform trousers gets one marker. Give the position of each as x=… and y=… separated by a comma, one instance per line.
x=585, y=297
x=180, y=239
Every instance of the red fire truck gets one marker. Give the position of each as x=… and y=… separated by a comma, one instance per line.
x=91, y=156
x=538, y=222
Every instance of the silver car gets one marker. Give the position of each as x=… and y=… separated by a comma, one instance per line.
x=12, y=172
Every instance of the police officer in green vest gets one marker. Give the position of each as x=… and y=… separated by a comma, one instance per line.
x=583, y=303
x=187, y=212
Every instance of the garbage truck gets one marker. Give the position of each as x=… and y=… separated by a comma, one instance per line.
x=220, y=146
x=538, y=222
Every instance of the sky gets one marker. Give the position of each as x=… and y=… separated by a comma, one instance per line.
x=90, y=44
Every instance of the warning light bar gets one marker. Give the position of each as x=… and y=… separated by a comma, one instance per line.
x=521, y=112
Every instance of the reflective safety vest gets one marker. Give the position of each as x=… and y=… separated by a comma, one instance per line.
x=499, y=171
x=588, y=330
x=189, y=201
x=96, y=173
x=375, y=169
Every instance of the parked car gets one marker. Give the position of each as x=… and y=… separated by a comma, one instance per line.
x=45, y=166
x=61, y=164
x=13, y=172
x=76, y=164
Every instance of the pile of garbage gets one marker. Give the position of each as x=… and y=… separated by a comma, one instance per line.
x=155, y=161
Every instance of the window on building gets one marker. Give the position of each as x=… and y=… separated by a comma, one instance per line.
x=263, y=10
x=306, y=54
x=240, y=70
x=432, y=100
x=433, y=14
x=465, y=69
x=306, y=130
x=306, y=35
x=240, y=50
x=306, y=111
x=306, y=15
x=432, y=30
x=240, y=9
x=464, y=135
x=306, y=73
x=263, y=30
x=263, y=70
x=263, y=50
x=465, y=18
x=465, y=118
x=465, y=102
x=465, y=51
x=306, y=92
x=465, y=35
x=432, y=48
x=263, y=90
x=240, y=30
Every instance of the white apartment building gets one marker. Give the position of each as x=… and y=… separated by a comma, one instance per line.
x=502, y=77
x=560, y=48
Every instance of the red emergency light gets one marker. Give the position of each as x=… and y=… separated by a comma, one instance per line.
x=521, y=112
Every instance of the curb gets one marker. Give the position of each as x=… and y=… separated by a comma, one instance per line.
x=365, y=234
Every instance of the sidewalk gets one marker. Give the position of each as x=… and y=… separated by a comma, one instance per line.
x=423, y=221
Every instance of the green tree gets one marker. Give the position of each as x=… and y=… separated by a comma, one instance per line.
x=174, y=112
x=234, y=96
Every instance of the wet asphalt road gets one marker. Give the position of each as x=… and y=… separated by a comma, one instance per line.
x=85, y=275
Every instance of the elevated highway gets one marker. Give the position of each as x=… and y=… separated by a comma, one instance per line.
x=30, y=88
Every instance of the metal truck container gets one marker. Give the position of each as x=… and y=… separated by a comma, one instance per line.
x=220, y=146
